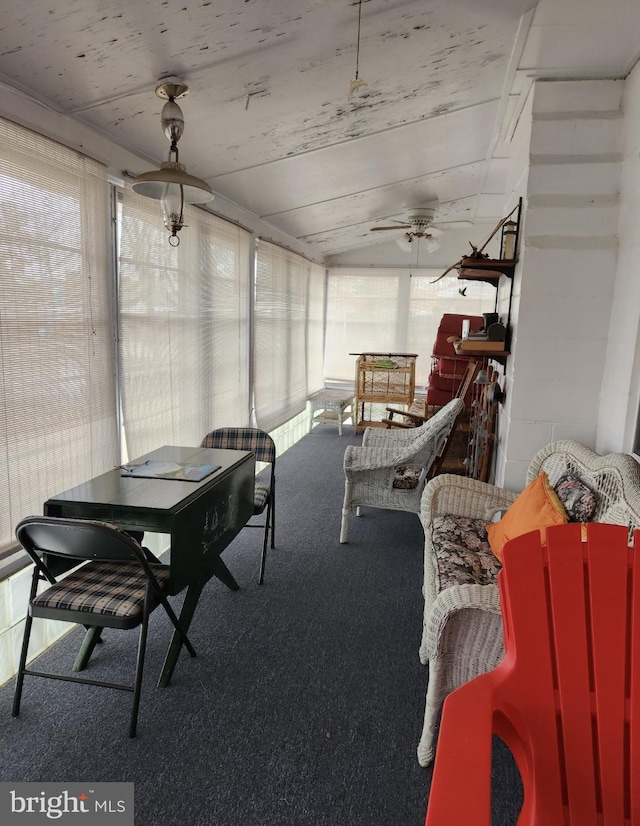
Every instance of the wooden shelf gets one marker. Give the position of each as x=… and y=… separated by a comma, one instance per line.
x=486, y=269
x=482, y=352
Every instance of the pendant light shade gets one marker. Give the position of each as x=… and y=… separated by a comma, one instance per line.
x=431, y=243
x=173, y=175
x=171, y=184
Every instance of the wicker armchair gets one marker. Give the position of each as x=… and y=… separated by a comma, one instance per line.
x=462, y=628
x=391, y=467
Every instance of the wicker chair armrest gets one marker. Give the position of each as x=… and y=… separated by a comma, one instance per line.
x=418, y=417
x=480, y=605
x=448, y=493
x=380, y=436
x=396, y=424
x=368, y=458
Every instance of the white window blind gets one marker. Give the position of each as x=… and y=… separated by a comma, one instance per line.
x=184, y=326
x=315, y=328
x=365, y=314
x=58, y=425
x=280, y=355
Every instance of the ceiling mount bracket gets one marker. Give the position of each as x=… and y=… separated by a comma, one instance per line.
x=172, y=88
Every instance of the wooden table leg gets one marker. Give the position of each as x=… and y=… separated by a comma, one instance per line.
x=186, y=615
x=219, y=570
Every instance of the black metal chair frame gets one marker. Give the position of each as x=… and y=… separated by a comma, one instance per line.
x=57, y=545
x=262, y=445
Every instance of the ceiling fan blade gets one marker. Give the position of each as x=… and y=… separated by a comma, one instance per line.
x=453, y=224
x=383, y=229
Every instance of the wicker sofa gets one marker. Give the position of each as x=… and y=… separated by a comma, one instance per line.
x=462, y=627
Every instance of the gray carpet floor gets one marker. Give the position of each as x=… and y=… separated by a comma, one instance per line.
x=304, y=705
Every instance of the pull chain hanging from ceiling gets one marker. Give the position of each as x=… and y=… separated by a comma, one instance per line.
x=357, y=82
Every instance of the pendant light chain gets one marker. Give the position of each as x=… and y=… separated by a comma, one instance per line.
x=358, y=42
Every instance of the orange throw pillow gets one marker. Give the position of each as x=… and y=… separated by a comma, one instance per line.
x=538, y=506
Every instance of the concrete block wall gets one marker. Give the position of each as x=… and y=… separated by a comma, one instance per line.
x=620, y=394
x=564, y=283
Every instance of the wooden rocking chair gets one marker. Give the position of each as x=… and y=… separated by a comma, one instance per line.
x=412, y=418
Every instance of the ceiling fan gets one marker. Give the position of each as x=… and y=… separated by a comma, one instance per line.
x=419, y=225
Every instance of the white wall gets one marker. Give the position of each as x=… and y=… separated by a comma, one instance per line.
x=620, y=395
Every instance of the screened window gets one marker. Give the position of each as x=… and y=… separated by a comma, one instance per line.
x=184, y=326
x=59, y=424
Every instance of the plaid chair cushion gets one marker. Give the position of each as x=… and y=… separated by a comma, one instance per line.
x=114, y=589
x=261, y=493
x=243, y=438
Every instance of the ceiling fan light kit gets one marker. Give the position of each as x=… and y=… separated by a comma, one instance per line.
x=431, y=243
x=404, y=242
x=171, y=184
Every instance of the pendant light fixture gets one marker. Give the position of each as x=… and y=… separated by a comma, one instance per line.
x=357, y=82
x=171, y=184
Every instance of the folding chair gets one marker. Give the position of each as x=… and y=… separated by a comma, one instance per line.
x=111, y=584
x=264, y=496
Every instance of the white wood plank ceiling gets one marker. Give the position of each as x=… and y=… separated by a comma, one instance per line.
x=268, y=120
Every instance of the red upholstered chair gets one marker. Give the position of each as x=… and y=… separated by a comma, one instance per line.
x=448, y=367
x=566, y=696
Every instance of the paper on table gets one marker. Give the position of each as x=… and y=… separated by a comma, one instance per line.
x=180, y=471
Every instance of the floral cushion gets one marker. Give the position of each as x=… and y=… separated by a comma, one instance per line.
x=407, y=477
x=462, y=552
x=579, y=501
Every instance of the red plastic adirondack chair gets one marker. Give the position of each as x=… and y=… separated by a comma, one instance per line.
x=566, y=696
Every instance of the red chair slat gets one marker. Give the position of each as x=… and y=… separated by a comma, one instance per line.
x=609, y=577
x=534, y=676
x=573, y=667
x=632, y=773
